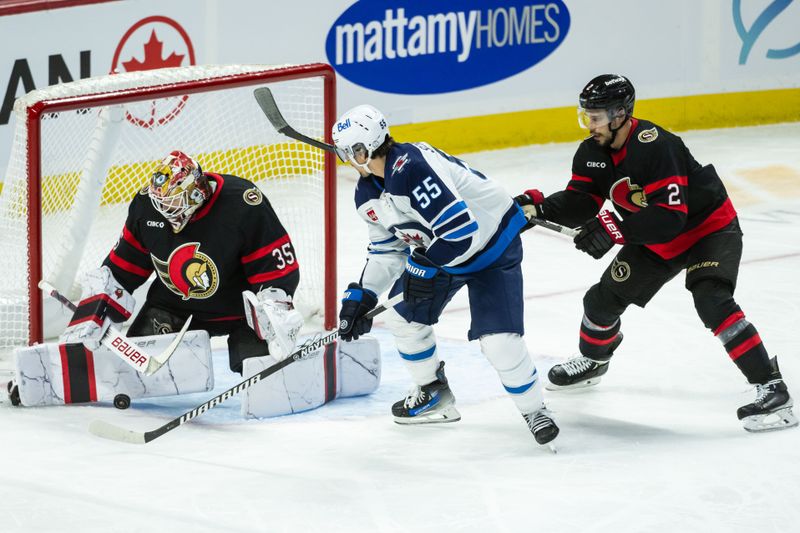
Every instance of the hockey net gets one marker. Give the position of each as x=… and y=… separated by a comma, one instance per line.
x=82, y=150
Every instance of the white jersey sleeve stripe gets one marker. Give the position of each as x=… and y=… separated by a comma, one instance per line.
x=462, y=233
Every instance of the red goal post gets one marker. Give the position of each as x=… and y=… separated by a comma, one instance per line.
x=81, y=150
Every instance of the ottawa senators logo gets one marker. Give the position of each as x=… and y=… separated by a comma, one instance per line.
x=188, y=272
x=648, y=136
x=620, y=270
x=627, y=195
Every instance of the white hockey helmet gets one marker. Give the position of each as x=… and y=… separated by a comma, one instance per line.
x=360, y=130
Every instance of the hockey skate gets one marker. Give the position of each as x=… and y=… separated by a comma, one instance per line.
x=13, y=392
x=772, y=408
x=576, y=373
x=428, y=404
x=543, y=427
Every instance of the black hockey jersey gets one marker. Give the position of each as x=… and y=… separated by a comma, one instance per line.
x=667, y=201
x=234, y=242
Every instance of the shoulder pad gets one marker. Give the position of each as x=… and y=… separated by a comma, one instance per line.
x=367, y=189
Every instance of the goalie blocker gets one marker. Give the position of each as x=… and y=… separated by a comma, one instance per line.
x=53, y=374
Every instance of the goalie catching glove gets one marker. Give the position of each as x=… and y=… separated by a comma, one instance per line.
x=103, y=301
x=274, y=319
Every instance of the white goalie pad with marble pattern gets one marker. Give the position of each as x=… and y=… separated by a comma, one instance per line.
x=57, y=374
x=339, y=370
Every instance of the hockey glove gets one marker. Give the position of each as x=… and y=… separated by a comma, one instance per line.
x=356, y=302
x=599, y=235
x=271, y=315
x=103, y=301
x=531, y=203
x=419, y=278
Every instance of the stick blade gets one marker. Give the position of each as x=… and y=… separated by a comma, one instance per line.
x=109, y=431
x=157, y=361
x=266, y=101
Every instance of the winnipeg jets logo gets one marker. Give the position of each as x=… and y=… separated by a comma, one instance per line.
x=627, y=195
x=416, y=238
x=399, y=164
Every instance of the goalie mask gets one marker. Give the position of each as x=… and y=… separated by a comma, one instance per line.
x=359, y=132
x=178, y=188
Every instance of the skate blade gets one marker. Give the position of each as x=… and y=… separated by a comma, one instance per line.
x=445, y=416
x=580, y=385
x=552, y=448
x=780, y=419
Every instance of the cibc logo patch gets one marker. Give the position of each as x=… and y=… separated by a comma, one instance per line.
x=414, y=47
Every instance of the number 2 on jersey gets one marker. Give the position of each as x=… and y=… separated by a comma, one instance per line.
x=674, y=194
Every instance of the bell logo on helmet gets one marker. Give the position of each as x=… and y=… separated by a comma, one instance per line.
x=341, y=126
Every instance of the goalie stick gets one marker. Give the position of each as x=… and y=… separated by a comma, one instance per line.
x=110, y=431
x=270, y=108
x=122, y=346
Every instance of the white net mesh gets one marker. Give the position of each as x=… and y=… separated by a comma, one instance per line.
x=95, y=159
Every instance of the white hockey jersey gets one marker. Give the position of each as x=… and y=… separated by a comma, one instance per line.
x=429, y=198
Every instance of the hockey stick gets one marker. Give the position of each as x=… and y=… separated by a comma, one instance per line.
x=270, y=108
x=122, y=346
x=110, y=431
x=552, y=226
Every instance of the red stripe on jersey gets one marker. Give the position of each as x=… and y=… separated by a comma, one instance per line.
x=597, y=342
x=680, y=207
x=62, y=350
x=620, y=154
x=269, y=276
x=575, y=177
x=728, y=322
x=717, y=220
x=130, y=239
x=678, y=180
x=226, y=318
x=598, y=200
x=261, y=252
x=737, y=352
x=127, y=266
x=206, y=208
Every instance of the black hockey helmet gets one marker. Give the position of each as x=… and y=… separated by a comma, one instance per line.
x=608, y=91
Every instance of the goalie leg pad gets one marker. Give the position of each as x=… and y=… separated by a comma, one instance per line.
x=53, y=374
x=509, y=356
x=338, y=370
x=417, y=346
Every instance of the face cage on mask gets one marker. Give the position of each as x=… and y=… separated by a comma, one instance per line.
x=179, y=208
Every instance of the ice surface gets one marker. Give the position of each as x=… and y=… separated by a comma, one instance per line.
x=656, y=447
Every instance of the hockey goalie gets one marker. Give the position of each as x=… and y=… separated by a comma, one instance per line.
x=222, y=260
